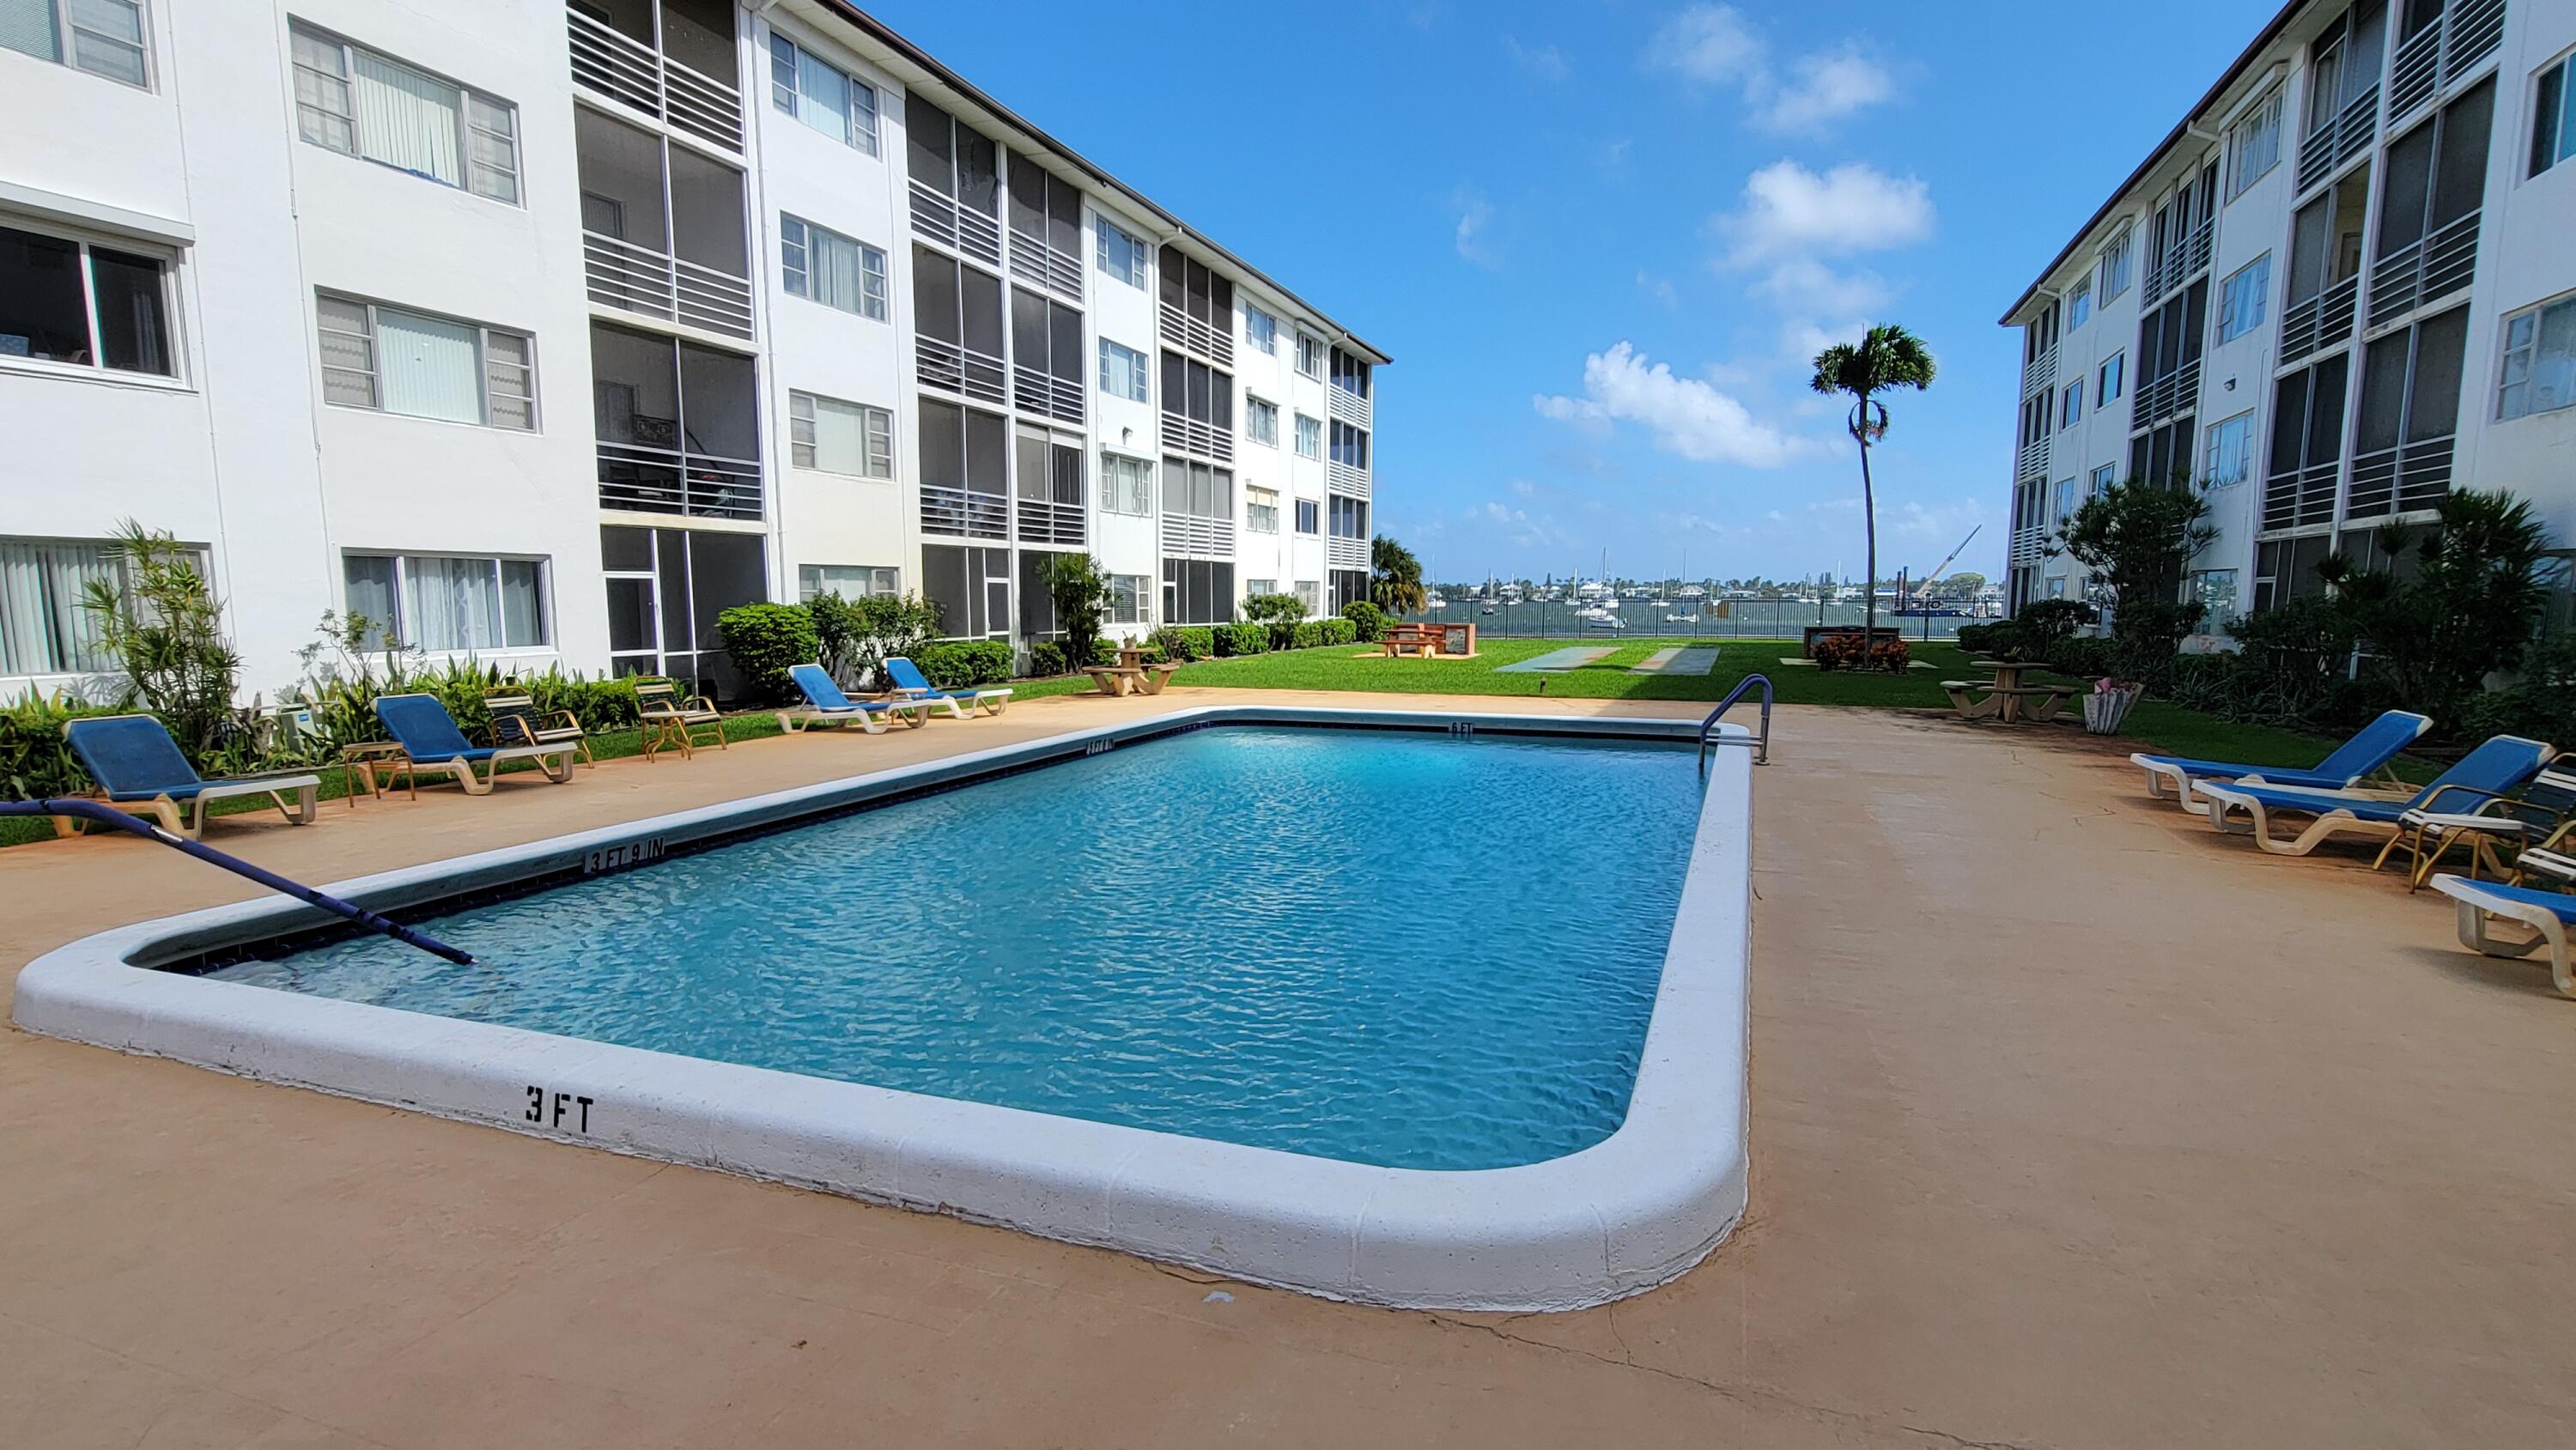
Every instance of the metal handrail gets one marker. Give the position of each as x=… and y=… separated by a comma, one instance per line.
x=1708, y=728
x=108, y=815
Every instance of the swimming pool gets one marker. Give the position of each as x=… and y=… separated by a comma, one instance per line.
x=1413, y=1009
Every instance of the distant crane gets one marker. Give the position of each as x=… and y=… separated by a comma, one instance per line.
x=1925, y=583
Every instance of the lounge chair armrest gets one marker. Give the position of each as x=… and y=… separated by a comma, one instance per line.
x=2488, y=797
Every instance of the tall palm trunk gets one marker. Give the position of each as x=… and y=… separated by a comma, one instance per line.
x=1868, y=522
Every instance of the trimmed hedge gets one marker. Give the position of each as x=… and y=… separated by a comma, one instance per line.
x=1242, y=639
x=1366, y=618
x=1183, y=643
x=1046, y=657
x=767, y=640
x=964, y=664
x=1316, y=633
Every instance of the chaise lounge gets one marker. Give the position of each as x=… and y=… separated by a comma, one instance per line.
x=2488, y=773
x=825, y=705
x=2547, y=913
x=912, y=684
x=139, y=769
x=430, y=742
x=2368, y=752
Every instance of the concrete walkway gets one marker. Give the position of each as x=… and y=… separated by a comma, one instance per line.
x=2074, y=1125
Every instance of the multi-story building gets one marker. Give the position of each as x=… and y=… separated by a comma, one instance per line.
x=545, y=334
x=2342, y=286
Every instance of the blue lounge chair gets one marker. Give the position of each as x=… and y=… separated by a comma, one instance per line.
x=2364, y=754
x=825, y=705
x=2548, y=913
x=430, y=742
x=911, y=683
x=139, y=767
x=2485, y=774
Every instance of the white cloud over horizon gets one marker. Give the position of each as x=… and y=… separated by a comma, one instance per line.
x=1714, y=45
x=1686, y=416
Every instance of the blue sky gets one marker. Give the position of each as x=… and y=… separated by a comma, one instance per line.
x=1601, y=240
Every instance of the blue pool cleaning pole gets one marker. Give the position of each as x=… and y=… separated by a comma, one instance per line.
x=109, y=815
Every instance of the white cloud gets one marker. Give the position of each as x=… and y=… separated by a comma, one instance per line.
x=1824, y=88
x=1475, y=215
x=1687, y=416
x=1659, y=288
x=1803, y=286
x=1791, y=212
x=1543, y=62
x=1710, y=44
x=1524, y=488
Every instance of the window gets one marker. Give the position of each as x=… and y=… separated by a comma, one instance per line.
x=1126, y=485
x=1350, y=374
x=351, y=100
x=1310, y=592
x=2214, y=590
x=1128, y=598
x=67, y=301
x=2072, y=406
x=1046, y=209
x=442, y=602
x=2231, y=452
x=830, y=436
x=971, y=589
x=822, y=95
x=2110, y=379
x=2103, y=478
x=832, y=269
x=848, y=581
x=1310, y=357
x=1046, y=357
x=1124, y=373
x=2241, y=298
x=425, y=367
x=2539, y=361
x=2079, y=302
x=1350, y=518
x=1260, y=330
x=103, y=37
x=1310, y=437
x=2065, y=496
x=2116, y=260
x=2254, y=146
x=965, y=488
x=1309, y=517
x=1198, y=591
x=1261, y=420
x=43, y=629
x=1261, y=516
x=1121, y=254
x=1193, y=392
x=1350, y=446
x=1256, y=588
x=2553, y=120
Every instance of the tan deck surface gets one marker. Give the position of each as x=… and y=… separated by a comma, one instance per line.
x=2074, y=1125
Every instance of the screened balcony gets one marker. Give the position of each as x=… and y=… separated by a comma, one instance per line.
x=673, y=60
x=2437, y=43
x=956, y=181
x=663, y=232
x=1046, y=229
x=1349, y=393
x=2427, y=246
x=957, y=327
x=2325, y=269
x=1198, y=308
x=677, y=426
x=2343, y=91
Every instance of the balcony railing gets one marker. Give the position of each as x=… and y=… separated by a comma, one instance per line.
x=2171, y=396
x=2037, y=373
x=2034, y=459
x=2424, y=271
x=1341, y=553
x=1037, y=391
x=2406, y=479
x=2301, y=496
x=2337, y=141
x=1184, y=331
x=961, y=513
x=669, y=481
x=1033, y=260
x=1188, y=435
x=2321, y=322
x=1198, y=537
x=1348, y=406
x=1344, y=478
x=961, y=229
x=2179, y=264
x=1043, y=521
x=2440, y=54
x=625, y=69
x=959, y=370
x=641, y=280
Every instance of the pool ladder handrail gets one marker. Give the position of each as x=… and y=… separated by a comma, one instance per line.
x=1708, y=731
x=108, y=815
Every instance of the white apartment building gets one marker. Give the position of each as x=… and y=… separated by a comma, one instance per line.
x=2343, y=285
x=544, y=334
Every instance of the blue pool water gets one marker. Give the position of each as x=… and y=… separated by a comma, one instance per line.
x=1400, y=949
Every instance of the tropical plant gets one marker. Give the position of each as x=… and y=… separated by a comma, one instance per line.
x=1395, y=577
x=1886, y=358
x=2135, y=539
x=767, y=640
x=1279, y=613
x=165, y=628
x=1083, y=597
x=2468, y=609
x=857, y=636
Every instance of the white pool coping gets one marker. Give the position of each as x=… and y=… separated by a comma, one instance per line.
x=1635, y=1210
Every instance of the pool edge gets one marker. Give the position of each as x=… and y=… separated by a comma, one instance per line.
x=1638, y=1209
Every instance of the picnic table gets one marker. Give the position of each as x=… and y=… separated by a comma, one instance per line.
x=2007, y=699
x=1421, y=639
x=1133, y=672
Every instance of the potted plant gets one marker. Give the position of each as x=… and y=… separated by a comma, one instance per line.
x=2109, y=704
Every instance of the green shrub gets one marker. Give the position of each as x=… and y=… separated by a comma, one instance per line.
x=1340, y=631
x=1181, y=644
x=1083, y=597
x=1242, y=639
x=857, y=636
x=1306, y=634
x=35, y=763
x=964, y=664
x=1985, y=639
x=1367, y=620
x=1279, y=613
x=2088, y=659
x=766, y=640
x=1046, y=657
x=2539, y=706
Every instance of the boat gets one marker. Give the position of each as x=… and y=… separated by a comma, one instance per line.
x=1677, y=619
x=1488, y=609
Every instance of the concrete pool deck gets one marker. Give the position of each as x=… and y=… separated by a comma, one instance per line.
x=2074, y=1123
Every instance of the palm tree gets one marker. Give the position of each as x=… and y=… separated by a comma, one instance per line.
x=1395, y=577
x=1889, y=357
